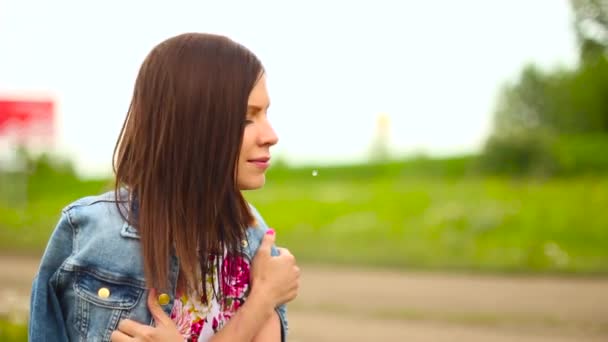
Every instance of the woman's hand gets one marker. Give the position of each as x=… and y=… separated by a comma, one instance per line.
x=274, y=281
x=165, y=329
x=275, y=277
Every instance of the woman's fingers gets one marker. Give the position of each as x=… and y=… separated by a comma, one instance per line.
x=155, y=309
x=119, y=336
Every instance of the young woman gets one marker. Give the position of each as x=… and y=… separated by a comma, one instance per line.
x=175, y=253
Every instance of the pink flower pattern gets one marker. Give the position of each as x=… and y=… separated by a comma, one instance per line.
x=235, y=277
x=182, y=319
x=197, y=321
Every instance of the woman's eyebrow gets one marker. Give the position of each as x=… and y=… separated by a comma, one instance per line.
x=257, y=108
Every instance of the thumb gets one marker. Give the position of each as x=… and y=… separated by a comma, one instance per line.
x=267, y=241
x=157, y=312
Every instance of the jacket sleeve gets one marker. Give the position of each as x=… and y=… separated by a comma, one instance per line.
x=281, y=309
x=46, y=322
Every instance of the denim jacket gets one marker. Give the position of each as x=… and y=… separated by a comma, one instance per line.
x=92, y=248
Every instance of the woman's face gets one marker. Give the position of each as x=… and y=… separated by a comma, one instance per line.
x=254, y=158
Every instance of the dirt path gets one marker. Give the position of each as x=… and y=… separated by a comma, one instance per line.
x=368, y=305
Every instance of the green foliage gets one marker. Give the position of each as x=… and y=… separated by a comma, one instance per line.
x=468, y=223
x=31, y=201
x=564, y=155
x=12, y=331
x=591, y=26
x=452, y=167
x=581, y=154
x=542, y=112
x=422, y=213
x=522, y=154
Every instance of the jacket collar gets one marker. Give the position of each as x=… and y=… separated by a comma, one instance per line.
x=127, y=229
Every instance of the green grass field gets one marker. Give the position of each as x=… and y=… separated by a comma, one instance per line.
x=391, y=218
x=12, y=331
x=474, y=224
x=421, y=217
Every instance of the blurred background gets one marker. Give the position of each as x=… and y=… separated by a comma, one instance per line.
x=442, y=170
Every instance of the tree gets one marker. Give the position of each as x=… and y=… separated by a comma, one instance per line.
x=591, y=27
x=542, y=113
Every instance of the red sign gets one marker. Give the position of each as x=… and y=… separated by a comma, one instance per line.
x=26, y=118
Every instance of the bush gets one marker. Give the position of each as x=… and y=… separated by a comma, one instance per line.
x=565, y=155
x=586, y=154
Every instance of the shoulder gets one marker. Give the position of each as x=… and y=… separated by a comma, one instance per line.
x=255, y=233
x=99, y=224
x=96, y=201
x=102, y=239
x=259, y=222
x=96, y=207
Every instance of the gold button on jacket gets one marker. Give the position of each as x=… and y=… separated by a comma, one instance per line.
x=103, y=292
x=163, y=299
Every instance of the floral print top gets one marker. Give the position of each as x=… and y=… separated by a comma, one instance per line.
x=197, y=321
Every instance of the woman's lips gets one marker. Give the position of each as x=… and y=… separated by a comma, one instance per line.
x=262, y=163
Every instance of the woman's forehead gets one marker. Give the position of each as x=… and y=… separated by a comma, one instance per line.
x=259, y=94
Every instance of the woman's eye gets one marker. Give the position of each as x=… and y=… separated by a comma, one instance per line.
x=247, y=122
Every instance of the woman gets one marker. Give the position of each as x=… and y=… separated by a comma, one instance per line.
x=166, y=256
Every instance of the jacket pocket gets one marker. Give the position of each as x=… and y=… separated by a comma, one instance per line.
x=102, y=300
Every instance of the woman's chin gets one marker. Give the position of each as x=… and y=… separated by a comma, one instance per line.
x=252, y=183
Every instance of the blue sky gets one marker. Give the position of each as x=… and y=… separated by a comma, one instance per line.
x=434, y=67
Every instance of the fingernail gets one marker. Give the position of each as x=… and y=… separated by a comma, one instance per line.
x=270, y=231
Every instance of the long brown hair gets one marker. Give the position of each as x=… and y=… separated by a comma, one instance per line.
x=178, y=150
